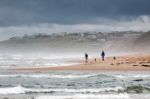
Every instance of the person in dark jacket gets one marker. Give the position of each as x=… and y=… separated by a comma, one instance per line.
x=86, y=57
x=103, y=55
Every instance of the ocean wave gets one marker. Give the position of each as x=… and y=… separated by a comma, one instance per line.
x=12, y=90
x=137, y=89
x=8, y=61
x=23, y=90
x=72, y=76
x=132, y=76
x=48, y=76
x=34, y=63
x=89, y=96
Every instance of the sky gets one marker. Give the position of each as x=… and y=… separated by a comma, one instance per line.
x=18, y=17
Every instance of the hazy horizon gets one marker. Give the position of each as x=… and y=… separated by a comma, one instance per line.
x=20, y=17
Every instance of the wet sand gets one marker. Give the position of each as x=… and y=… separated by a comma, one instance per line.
x=122, y=63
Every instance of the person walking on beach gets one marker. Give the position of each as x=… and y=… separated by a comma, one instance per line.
x=86, y=57
x=103, y=55
x=95, y=59
x=114, y=58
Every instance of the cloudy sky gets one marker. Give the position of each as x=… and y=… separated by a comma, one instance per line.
x=18, y=17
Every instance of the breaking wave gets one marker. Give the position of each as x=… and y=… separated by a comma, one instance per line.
x=23, y=90
x=48, y=76
x=91, y=96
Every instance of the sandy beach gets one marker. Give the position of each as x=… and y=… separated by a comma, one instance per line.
x=121, y=63
x=125, y=77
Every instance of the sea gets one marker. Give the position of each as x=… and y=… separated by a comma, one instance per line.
x=69, y=84
x=37, y=60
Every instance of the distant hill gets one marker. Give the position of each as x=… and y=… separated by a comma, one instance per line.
x=143, y=42
x=145, y=38
x=77, y=42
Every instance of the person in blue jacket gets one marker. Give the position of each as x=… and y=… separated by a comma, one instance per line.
x=103, y=55
x=86, y=57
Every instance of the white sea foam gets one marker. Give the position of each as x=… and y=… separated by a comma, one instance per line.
x=142, y=76
x=70, y=76
x=12, y=90
x=47, y=76
x=76, y=90
x=120, y=76
x=133, y=76
x=11, y=61
x=33, y=63
x=21, y=90
x=87, y=96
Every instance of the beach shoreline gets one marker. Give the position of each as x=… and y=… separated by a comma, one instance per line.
x=121, y=63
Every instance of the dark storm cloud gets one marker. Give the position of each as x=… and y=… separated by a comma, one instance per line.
x=30, y=12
